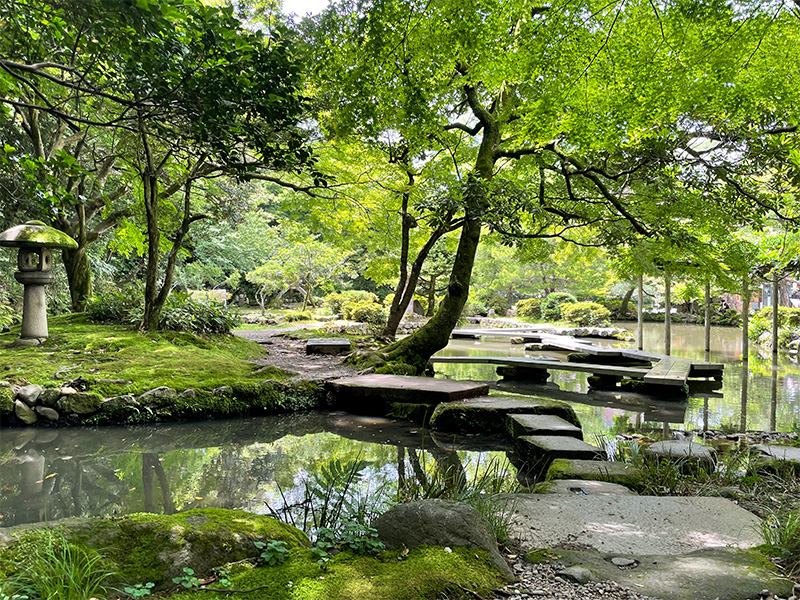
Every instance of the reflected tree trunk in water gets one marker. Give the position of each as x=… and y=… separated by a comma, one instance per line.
x=705, y=413
x=401, y=470
x=151, y=465
x=77, y=490
x=743, y=405
x=419, y=472
x=450, y=468
x=147, y=483
x=775, y=316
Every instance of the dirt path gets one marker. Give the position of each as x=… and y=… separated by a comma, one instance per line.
x=290, y=355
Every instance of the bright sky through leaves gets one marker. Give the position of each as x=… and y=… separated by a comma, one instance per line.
x=303, y=7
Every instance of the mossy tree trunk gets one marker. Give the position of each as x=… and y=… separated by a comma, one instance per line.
x=417, y=348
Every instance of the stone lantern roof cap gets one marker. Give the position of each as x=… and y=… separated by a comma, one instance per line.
x=35, y=234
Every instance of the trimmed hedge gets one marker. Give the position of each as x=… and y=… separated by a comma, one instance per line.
x=586, y=314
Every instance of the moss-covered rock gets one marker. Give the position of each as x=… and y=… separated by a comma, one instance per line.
x=6, y=401
x=147, y=547
x=80, y=403
x=601, y=470
x=483, y=415
x=425, y=572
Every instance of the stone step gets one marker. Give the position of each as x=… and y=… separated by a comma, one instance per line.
x=372, y=394
x=525, y=424
x=488, y=413
x=584, y=487
x=604, y=470
x=550, y=447
x=328, y=346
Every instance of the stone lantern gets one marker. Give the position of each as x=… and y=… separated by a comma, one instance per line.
x=36, y=242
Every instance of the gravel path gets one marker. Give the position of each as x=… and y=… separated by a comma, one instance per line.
x=540, y=582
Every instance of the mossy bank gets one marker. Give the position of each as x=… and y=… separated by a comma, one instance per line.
x=104, y=374
x=144, y=548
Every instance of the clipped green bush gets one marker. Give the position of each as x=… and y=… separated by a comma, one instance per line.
x=586, y=314
x=333, y=302
x=530, y=308
x=298, y=315
x=364, y=311
x=118, y=306
x=182, y=313
x=551, y=306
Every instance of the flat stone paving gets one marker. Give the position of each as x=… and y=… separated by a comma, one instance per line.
x=789, y=453
x=541, y=425
x=327, y=346
x=403, y=388
x=556, y=446
x=637, y=525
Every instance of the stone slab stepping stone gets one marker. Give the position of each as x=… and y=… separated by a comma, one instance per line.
x=604, y=470
x=584, y=487
x=631, y=525
x=541, y=425
x=789, y=453
x=685, y=452
x=708, y=574
x=488, y=414
x=370, y=394
x=539, y=450
x=327, y=346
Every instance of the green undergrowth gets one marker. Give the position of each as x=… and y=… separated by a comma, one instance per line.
x=425, y=572
x=307, y=334
x=131, y=362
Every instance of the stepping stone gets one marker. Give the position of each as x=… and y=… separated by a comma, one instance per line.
x=687, y=453
x=519, y=425
x=372, y=394
x=583, y=487
x=604, y=470
x=536, y=452
x=488, y=414
x=327, y=346
x=788, y=453
x=631, y=525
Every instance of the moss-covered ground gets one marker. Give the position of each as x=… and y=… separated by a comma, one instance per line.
x=119, y=360
x=425, y=572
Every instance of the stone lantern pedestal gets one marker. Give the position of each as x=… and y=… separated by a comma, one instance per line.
x=35, y=241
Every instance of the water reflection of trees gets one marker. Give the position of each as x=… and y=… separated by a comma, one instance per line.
x=86, y=472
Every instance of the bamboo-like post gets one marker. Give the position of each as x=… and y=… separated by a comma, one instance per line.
x=640, y=315
x=708, y=317
x=667, y=313
x=775, y=311
x=743, y=403
x=745, y=318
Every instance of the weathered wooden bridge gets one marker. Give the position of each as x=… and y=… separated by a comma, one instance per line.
x=610, y=366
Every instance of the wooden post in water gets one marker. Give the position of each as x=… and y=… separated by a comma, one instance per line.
x=640, y=314
x=667, y=313
x=708, y=317
x=745, y=317
x=775, y=311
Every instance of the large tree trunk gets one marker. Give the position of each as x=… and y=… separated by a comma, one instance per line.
x=622, y=311
x=416, y=349
x=79, y=276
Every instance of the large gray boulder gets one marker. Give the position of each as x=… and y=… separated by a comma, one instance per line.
x=439, y=523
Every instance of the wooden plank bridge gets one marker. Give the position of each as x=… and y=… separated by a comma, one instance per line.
x=611, y=364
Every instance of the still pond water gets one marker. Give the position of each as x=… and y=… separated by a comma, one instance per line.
x=259, y=464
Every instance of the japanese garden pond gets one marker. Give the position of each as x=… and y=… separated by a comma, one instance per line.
x=265, y=463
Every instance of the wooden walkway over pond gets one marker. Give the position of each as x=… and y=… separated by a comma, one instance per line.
x=610, y=364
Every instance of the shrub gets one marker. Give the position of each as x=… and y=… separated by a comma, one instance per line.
x=586, y=314
x=727, y=318
x=181, y=313
x=551, y=306
x=8, y=316
x=788, y=321
x=121, y=306
x=530, y=308
x=364, y=311
x=333, y=302
x=298, y=315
